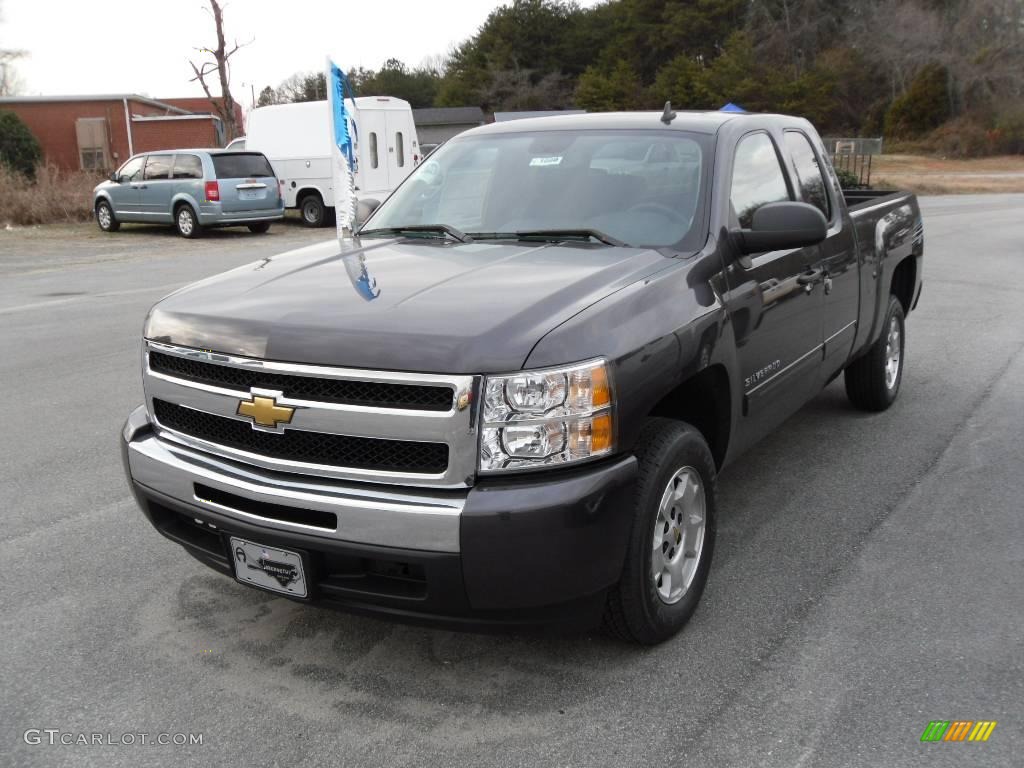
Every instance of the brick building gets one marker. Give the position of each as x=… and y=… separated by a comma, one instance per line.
x=101, y=132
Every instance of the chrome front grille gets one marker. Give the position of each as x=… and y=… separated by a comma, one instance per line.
x=378, y=426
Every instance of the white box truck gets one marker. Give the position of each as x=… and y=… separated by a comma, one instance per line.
x=297, y=140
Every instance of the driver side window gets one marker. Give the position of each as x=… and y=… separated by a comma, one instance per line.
x=132, y=170
x=757, y=177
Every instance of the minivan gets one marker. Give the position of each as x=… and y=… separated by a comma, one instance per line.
x=191, y=189
x=297, y=139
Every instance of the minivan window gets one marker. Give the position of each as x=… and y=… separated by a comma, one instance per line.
x=241, y=165
x=808, y=173
x=373, y=150
x=157, y=167
x=187, y=167
x=400, y=149
x=640, y=187
x=757, y=177
x=132, y=170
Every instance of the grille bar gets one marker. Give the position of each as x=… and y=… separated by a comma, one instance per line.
x=309, y=447
x=420, y=397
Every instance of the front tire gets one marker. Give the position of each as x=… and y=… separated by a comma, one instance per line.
x=312, y=210
x=672, y=538
x=186, y=222
x=105, y=217
x=259, y=227
x=873, y=379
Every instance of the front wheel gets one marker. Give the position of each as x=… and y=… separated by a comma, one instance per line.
x=105, y=217
x=186, y=223
x=259, y=227
x=873, y=379
x=673, y=535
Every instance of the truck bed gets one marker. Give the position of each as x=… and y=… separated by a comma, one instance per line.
x=861, y=199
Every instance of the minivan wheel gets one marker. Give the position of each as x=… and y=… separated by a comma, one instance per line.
x=312, y=209
x=259, y=227
x=105, y=217
x=672, y=538
x=873, y=380
x=185, y=221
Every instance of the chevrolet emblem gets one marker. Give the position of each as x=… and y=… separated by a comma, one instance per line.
x=265, y=411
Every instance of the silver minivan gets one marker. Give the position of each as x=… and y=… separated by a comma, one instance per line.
x=191, y=189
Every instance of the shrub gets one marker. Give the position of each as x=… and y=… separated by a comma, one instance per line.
x=52, y=196
x=961, y=137
x=923, y=107
x=19, y=149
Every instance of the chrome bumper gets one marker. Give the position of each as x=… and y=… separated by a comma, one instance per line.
x=390, y=516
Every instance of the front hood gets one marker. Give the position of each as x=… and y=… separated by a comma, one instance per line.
x=425, y=306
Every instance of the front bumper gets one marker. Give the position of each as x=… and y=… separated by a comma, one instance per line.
x=520, y=551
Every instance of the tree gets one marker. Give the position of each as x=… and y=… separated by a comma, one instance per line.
x=221, y=55
x=608, y=89
x=19, y=149
x=9, y=81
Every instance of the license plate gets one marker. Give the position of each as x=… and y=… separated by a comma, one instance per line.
x=250, y=194
x=278, y=570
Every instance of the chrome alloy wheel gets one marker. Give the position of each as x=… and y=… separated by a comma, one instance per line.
x=892, y=354
x=185, y=221
x=103, y=214
x=678, y=535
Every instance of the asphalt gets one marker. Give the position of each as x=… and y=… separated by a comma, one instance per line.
x=867, y=578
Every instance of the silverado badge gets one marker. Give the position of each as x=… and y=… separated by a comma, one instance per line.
x=265, y=412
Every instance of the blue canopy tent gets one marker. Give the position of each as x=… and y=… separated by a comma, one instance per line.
x=730, y=107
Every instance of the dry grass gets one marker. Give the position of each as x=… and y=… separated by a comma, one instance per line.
x=944, y=176
x=54, y=197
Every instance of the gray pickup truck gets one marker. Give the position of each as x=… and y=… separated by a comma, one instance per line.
x=507, y=400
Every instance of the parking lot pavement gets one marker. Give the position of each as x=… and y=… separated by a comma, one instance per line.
x=867, y=577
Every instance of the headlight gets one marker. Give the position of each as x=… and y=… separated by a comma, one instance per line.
x=546, y=417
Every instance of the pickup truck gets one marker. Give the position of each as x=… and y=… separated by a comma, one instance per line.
x=506, y=399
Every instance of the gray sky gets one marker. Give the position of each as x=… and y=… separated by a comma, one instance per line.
x=143, y=46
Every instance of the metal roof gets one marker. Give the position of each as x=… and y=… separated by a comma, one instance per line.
x=93, y=97
x=448, y=116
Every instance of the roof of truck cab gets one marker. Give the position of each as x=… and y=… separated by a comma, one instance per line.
x=694, y=122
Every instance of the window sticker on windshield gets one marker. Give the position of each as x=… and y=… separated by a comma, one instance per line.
x=545, y=160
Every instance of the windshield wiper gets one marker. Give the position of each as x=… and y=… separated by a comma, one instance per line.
x=440, y=229
x=552, y=234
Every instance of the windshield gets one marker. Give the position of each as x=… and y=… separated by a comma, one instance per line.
x=642, y=188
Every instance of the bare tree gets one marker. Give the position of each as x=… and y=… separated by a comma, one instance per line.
x=221, y=55
x=9, y=81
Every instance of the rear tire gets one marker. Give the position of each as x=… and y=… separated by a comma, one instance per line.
x=259, y=227
x=873, y=379
x=105, y=217
x=312, y=210
x=673, y=535
x=186, y=221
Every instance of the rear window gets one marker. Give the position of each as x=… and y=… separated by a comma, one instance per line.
x=241, y=165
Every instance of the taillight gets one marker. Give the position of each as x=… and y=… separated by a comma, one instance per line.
x=212, y=192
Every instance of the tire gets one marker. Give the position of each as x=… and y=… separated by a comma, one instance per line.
x=645, y=607
x=873, y=379
x=105, y=217
x=260, y=227
x=186, y=222
x=312, y=210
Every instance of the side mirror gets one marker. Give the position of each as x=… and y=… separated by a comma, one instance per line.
x=777, y=226
x=364, y=208
x=115, y=178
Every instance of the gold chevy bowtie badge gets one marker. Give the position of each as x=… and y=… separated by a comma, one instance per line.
x=265, y=411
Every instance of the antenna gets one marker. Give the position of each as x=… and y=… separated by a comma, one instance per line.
x=669, y=114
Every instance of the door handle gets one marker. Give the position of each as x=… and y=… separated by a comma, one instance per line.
x=810, y=277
